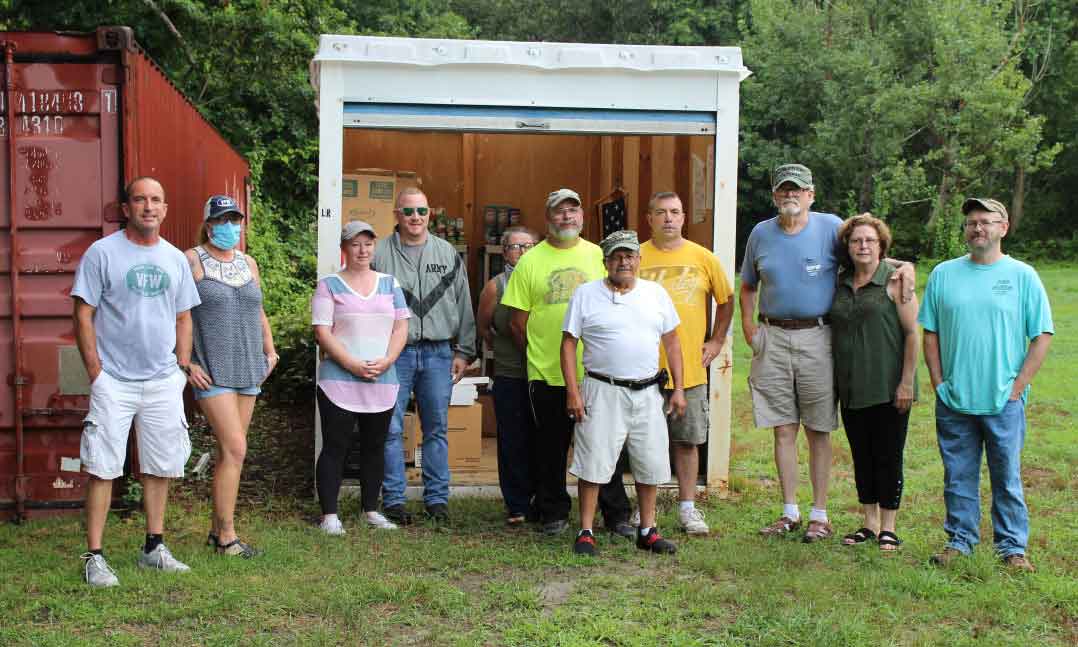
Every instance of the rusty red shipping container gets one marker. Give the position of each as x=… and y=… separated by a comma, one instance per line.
x=80, y=115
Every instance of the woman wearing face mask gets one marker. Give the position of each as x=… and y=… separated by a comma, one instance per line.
x=511, y=405
x=233, y=354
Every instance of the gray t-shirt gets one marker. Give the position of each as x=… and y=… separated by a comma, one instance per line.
x=798, y=271
x=137, y=292
x=413, y=252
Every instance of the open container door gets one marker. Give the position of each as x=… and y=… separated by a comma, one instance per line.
x=400, y=94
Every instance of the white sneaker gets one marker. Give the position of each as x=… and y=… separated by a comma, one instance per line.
x=161, y=559
x=376, y=520
x=634, y=520
x=332, y=526
x=97, y=572
x=692, y=522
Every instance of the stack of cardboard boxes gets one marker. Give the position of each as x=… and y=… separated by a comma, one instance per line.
x=368, y=194
x=465, y=429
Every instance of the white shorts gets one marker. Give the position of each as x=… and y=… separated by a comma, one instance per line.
x=621, y=417
x=155, y=406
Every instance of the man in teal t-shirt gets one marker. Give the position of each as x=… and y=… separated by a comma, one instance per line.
x=987, y=326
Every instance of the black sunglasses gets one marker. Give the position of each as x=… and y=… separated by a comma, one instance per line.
x=410, y=211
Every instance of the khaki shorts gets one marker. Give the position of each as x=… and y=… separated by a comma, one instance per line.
x=691, y=429
x=792, y=378
x=155, y=406
x=620, y=417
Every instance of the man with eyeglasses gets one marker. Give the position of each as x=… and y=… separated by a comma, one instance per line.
x=538, y=293
x=987, y=328
x=791, y=264
x=441, y=344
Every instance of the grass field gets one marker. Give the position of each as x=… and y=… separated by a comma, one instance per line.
x=479, y=584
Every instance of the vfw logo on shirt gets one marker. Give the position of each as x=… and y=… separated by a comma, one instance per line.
x=147, y=280
x=563, y=282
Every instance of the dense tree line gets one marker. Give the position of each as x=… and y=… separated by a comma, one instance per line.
x=900, y=107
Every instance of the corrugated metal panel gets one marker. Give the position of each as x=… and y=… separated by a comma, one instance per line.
x=90, y=113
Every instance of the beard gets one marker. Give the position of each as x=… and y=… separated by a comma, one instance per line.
x=564, y=234
x=790, y=209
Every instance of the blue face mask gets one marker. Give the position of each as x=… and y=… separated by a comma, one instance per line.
x=225, y=235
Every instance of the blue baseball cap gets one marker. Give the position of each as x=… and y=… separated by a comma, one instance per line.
x=219, y=205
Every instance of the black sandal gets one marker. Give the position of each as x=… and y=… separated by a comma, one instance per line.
x=859, y=537
x=889, y=541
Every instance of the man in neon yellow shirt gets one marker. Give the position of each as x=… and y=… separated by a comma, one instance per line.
x=691, y=274
x=538, y=292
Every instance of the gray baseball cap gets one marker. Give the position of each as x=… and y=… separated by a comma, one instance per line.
x=624, y=239
x=557, y=197
x=985, y=204
x=355, y=228
x=796, y=173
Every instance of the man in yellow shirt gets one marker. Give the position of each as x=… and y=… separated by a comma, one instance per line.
x=691, y=274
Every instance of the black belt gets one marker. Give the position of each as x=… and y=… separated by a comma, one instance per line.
x=636, y=385
x=796, y=324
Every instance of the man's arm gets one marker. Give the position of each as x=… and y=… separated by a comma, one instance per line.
x=518, y=324
x=184, y=329
x=724, y=314
x=932, y=358
x=574, y=404
x=1038, y=350
x=86, y=337
x=747, y=296
x=672, y=346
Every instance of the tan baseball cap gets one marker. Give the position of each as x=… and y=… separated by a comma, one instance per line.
x=796, y=173
x=557, y=197
x=985, y=204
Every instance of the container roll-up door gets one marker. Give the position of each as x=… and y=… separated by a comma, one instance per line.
x=521, y=119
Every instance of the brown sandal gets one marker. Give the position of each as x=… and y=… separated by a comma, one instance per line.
x=817, y=530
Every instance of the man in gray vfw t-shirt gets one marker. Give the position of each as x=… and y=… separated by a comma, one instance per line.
x=133, y=295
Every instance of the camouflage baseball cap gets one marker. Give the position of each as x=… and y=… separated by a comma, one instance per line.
x=796, y=173
x=985, y=204
x=561, y=195
x=624, y=239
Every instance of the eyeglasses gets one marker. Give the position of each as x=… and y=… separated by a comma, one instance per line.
x=519, y=247
x=796, y=190
x=566, y=211
x=411, y=211
x=233, y=218
x=857, y=242
x=974, y=224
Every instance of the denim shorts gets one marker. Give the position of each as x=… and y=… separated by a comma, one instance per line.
x=218, y=390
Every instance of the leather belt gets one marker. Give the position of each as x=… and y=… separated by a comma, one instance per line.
x=796, y=324
x=635, y=385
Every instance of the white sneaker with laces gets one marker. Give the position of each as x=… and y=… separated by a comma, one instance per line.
x=161, y=558
x=332, y=526
x=376, y=520
x=634, y=520
x=692, y=522
x=97, y=572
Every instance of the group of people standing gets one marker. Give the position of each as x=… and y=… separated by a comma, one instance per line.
x=602, y=348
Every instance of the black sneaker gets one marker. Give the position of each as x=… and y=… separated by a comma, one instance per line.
x=623, y=529
x=584, y=544
x=654, y=542
x=438, y=512
x=397, y=514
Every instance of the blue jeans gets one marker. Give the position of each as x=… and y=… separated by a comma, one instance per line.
x=515, y=456
x=962, y=438
x=425, y=368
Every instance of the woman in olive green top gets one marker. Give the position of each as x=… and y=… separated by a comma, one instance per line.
x=512, y=408
x=874, y=343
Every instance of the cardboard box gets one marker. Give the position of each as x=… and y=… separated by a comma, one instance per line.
x=368, y=195
x=490, y=422
x=410, y=430
x=465, y=436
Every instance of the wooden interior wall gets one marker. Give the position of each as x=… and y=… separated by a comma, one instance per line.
x=434, y=156
x=465, y=171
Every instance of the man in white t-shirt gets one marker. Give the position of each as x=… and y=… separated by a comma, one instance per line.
x=621, y=319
